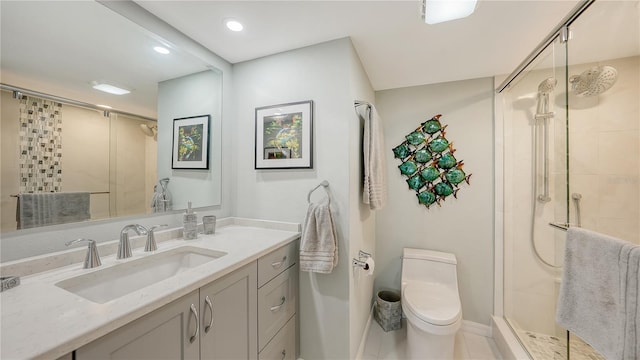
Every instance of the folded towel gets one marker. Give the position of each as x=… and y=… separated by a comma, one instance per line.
x=593, y=300
x=40, y=209
x=375, y=185
x=319, y=245
x=632, y=309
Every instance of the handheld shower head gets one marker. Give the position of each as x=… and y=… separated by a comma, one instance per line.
x=594, y=81
x=544, y=89
x=547, y=85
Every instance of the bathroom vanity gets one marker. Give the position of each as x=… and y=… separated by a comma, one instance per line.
x=234, y=297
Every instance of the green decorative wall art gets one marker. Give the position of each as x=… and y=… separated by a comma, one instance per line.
x=429, y=163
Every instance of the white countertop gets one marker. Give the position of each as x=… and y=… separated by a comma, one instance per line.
x=41, y=320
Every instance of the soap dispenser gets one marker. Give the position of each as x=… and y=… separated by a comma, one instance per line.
x=190, y=222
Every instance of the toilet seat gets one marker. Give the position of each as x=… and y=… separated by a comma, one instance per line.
x=432, y=303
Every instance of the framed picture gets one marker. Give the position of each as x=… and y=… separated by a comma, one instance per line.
x=283, y=136
x=191, y=142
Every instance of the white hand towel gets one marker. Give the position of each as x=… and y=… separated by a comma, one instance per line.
x=375, y=185
x=593, y=300
x=319, y=245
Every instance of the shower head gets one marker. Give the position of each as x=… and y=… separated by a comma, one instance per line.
x=149, y=130
x=544, y=89
x=547, y=85
x=594, y=81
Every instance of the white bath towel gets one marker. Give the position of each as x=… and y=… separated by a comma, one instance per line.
x=374, y=191
x=319, y=243
x=593, y=294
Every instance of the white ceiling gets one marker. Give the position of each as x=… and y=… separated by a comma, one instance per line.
x=396, y=47
x=58, y=47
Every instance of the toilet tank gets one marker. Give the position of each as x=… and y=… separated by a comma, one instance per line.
x=429, y=266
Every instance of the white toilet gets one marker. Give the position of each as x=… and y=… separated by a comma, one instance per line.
x=431, y=303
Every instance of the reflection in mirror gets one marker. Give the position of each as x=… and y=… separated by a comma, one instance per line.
x=107, y=159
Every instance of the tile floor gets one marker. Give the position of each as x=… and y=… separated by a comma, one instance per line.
x=390, y=345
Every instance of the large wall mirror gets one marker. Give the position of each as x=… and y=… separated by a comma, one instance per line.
x=56, y=137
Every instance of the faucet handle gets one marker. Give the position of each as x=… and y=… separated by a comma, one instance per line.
x=151, y=244
x=93, y=258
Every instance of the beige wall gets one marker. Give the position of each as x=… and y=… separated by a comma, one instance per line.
x=463, y=226
x=9, y=175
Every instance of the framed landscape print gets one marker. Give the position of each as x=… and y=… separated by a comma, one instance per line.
x=284, y=136
x=191, y=142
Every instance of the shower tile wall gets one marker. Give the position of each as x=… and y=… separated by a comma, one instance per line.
x=604, y=139
x=604, y=161
x=530, y=286
x=40, y=145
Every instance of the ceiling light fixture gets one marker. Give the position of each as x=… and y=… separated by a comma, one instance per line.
x=234, y=25
x=108, y=88
x=161, y=50
x=437, y=11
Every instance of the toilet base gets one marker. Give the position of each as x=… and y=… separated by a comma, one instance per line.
x=423, y=345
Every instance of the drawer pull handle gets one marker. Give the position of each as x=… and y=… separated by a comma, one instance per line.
x=195, y=313
x=277, y=307
x=277, y=265
x=210, y=305
x=284, y=353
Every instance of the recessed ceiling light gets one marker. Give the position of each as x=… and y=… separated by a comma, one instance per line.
x=161, y=50
x=108, y=88
x=437, y=11
x=234, y=25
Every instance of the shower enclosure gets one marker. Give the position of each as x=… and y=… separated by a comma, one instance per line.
x=570, y=123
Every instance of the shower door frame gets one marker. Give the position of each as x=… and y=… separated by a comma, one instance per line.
x=506, y=339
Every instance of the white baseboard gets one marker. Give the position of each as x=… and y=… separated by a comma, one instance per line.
x=476, y=328
x=363, y=339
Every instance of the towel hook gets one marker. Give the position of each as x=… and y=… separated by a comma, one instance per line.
x=325, y=185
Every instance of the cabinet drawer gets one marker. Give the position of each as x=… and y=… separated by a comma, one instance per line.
x=276, y=304
x=276, y=262
x=283, y=345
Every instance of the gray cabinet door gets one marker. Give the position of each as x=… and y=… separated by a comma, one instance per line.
x=165, y=333
x=229, y=313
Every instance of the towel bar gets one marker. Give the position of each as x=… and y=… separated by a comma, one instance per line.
x=561, y=226
x=91, y=193
x=325, y=185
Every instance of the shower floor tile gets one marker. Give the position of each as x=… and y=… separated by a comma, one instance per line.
x=547, y=347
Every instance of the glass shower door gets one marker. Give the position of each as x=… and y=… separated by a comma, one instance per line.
x=604, y=122
x=535, y=170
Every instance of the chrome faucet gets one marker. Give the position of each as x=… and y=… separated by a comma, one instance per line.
x=124, y=246
x=93, y=258
x=151, y=244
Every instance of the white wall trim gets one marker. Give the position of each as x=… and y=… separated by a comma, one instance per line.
x=365, y=335
x=476, y=328
x=498, y=231
x=507, y=343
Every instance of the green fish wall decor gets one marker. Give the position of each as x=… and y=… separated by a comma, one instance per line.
x=428, y=163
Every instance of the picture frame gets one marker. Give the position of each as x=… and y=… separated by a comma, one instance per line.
x=283, y=136
x=191, y=142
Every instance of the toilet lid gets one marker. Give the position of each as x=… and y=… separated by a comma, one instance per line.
x=433, y=303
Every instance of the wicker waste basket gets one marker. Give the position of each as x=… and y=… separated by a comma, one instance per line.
x=388, y=310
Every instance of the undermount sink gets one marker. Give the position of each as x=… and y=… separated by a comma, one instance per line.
x=111, y=283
